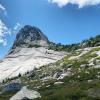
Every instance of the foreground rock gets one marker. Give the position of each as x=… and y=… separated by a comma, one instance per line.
x=25, y=93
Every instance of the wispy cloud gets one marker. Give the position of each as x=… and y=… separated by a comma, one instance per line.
x=3, y=9
x=3, y=41
x=80, y=3
x=17, y=26
x=3, y=32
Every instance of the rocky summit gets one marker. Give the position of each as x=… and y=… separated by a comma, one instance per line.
x=30, y=36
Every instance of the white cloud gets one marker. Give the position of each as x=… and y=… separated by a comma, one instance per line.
x=3, y=32
x=3, y=28
x=80, y=3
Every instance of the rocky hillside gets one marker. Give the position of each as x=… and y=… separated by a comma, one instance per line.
x=51, y=74
x=74, y=77
x=29, y=51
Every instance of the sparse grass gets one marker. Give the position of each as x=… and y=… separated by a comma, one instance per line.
x=75, y=91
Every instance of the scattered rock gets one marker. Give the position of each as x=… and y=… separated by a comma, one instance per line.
x=58, y=83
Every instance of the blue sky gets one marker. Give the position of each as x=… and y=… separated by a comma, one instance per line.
x=65, y=22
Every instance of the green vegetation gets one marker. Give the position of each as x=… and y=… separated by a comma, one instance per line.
x=6, y=95
x=92, y=42
x=74, y=88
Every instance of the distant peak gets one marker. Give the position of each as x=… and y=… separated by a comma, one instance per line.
x=30, y=35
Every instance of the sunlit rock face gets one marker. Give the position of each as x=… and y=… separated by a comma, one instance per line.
x=29, y=51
